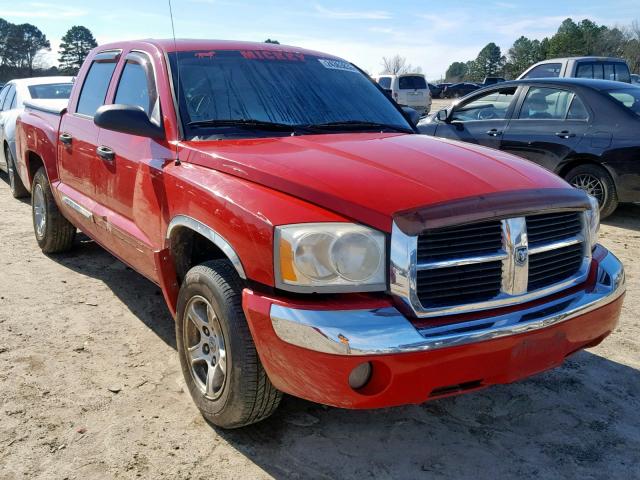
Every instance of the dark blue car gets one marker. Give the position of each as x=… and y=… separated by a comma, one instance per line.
x=587, y=131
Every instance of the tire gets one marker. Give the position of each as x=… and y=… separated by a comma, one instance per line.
x=15, y=183
x=54, y=233
x=225, y=379
x=597, y=182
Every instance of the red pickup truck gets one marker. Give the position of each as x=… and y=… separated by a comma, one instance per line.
x=306, y=238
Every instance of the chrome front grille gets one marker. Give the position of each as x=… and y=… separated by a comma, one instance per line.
x=465, y=240
x=553, y=266
x=446, y=286
x=488, y=264
x=550, y=227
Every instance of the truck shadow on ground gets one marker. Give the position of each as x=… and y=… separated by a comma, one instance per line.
x=573, y=421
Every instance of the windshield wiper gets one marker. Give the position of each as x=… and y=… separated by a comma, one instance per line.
x=358, y=125
x=247, y=123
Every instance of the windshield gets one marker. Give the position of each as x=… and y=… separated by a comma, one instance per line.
x=278, y=87
x=50, y=90
x=628, y=97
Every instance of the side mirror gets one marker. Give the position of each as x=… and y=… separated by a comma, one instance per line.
x=443, y=115
x=414, y=116
x=130, y=119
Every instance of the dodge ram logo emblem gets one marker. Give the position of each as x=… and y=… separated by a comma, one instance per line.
x=521, y=255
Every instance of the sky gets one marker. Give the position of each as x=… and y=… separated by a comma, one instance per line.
x=429, y=34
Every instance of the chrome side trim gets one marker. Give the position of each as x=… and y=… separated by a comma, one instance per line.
x=211, y=234
x=76, y=207
x=387, y=331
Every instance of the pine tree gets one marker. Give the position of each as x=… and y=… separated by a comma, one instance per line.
x=76, y=45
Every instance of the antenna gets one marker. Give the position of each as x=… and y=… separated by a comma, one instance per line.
x=177, y=92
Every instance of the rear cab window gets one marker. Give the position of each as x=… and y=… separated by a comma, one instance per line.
x=412, y=82
x=617, y=71
x=96, y=83
x=546, y=70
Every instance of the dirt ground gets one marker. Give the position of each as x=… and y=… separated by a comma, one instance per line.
x=90, y=388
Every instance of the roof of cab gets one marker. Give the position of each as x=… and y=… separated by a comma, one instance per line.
x=186, y=45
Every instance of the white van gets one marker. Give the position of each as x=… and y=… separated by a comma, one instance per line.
x=408, y=89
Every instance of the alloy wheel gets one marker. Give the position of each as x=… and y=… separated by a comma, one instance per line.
x=590, y=184
x=204, y=346
x=39, y=210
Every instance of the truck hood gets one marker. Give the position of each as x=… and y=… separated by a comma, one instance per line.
x=371, y=177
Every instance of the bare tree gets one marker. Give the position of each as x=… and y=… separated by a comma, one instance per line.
x=397, y=65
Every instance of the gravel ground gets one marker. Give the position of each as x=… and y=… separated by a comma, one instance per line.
x=90, y=387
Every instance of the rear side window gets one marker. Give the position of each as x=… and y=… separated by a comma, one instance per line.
x=385, y=82
x=94, y=89
x=545, y=103
x=412, y=83
x=546, y=70
x=577, y=110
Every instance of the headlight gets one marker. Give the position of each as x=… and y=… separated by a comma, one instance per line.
x=593, y=221
x=329, y=258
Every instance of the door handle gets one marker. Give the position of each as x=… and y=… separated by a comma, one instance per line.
x=105, y=153
x=494, y=132
x=65, y=138
x=565, y=134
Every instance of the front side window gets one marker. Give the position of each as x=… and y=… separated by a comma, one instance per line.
x=94, y=89
x=51, y=90
x=413, y=82
x=8, y=100
x=254, y=93
x=136, y=88
x=490, y=106
x=545, y=103
x=385, y=82
x=546, y=70
x=3, y=94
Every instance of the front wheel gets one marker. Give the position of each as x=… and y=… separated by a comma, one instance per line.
x=54, y=233
x=15, y=183
x=218, y=357
x=595, y=180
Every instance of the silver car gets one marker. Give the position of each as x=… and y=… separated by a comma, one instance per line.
x=12, y=98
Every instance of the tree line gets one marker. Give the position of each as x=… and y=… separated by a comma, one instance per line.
x=572, y=39
x=23, y=49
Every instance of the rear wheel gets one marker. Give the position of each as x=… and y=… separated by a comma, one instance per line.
x=15, y=183
x=54, y=233
x=597, y=182
x=218, y=357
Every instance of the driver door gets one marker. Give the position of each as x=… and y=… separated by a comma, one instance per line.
x=482, y=119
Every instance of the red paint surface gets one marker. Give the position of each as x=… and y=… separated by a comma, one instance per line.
x=411, y=377
x=242, y=188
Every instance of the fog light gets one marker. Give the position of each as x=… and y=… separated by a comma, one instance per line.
x=360, y=375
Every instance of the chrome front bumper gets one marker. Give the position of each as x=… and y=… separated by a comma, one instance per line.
x=387, y=331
